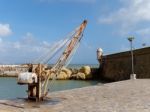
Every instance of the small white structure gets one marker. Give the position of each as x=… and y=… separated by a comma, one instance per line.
x=133, y=76
x=27, y=78
x=99, y=54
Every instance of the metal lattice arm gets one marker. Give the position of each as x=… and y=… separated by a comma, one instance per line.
x=67, y=53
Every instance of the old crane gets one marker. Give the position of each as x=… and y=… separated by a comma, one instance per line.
x=38, y=76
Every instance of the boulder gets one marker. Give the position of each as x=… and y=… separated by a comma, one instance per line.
x=75, y=71
x=86, y=70
x=52, y=75
x=62, y=76
x=81, y=76
x=73, y=76
x=67, y=71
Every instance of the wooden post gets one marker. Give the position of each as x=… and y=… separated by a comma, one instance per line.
x=34, y=90
x=39, y=85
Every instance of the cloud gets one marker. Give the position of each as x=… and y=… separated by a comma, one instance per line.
x=5, y=30
x=27, y=49
x=133, y=11
x=127, y=18
x=29, y=39
x=144, y=32
x=0, y=40
x=145, y=35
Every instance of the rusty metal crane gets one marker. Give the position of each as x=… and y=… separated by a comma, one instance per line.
x=38, y=79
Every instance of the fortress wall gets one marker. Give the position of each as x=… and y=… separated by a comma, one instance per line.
x=117, y=66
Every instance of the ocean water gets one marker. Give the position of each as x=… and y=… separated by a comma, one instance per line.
x=9, y=89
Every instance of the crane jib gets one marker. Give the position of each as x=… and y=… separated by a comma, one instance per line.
x=39, y=75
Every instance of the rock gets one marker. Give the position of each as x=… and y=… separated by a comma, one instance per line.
x=67, y=71
x=74, y=71
x=83, y=73
x=89, y=76
x=73, y=76
x=62, y=76
x=86, y=70
x=52, y=75
x=81, y=76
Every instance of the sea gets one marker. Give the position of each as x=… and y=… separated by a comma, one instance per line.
x=9, y=89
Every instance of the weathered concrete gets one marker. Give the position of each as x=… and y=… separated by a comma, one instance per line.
x=124, y=96
x=117, y=66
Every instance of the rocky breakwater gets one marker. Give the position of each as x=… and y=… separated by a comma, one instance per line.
x=12, y=70
x=84, y=73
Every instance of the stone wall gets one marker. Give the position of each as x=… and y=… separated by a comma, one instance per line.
x=116, y=67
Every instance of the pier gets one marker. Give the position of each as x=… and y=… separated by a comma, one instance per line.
x=123, y=96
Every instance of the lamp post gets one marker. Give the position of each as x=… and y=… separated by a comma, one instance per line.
x=133, y=75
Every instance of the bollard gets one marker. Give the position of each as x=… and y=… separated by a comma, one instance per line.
x=133, y=76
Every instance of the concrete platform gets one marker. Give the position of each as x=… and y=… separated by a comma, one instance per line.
x=124, y=96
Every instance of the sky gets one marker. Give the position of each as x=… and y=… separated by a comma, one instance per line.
x=29, y=28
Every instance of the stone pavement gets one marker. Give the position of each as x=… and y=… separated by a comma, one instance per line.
x=123, y=96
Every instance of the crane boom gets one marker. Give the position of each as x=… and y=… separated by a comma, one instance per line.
x=67, y=52
x=38, y=77
x=61, y=61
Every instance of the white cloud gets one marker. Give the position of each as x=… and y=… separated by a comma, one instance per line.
x=133, y=11
x=144, y=32
x=27, y=49
x=29, y=39
x=145, y=35
x=132, y=17
x=16, y=45
x=5, y=30
x=46, y=44
x=0, y=40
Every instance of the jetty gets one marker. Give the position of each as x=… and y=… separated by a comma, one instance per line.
x=123, y=96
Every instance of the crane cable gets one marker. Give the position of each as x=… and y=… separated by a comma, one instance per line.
x=75, y=40
x=54, y=76
x=66, y=42
x=51, y=51
x=44, y=59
